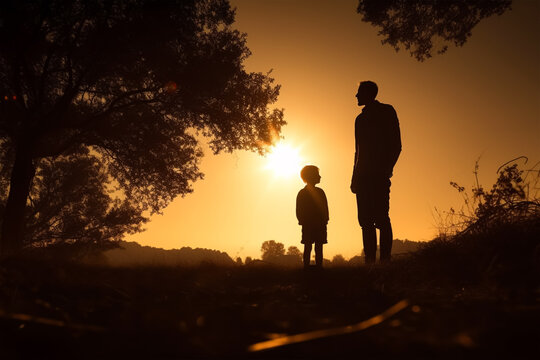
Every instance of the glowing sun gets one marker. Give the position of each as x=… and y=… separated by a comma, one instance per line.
x=284, y=160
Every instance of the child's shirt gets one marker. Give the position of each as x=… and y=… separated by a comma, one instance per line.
x=311, y=206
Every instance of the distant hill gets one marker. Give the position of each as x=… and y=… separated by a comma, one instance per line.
x=132, y=253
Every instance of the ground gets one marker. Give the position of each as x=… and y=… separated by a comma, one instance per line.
x=64, y=310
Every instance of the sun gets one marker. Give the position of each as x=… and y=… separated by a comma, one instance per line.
x=284, y=160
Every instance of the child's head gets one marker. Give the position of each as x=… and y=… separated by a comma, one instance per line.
x=310, y=175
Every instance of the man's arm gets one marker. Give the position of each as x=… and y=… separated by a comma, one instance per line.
x=395, y=140
x=389, y=144
x=355, y=168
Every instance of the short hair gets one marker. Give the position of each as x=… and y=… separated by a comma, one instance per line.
x=309, y=172
x=370, y=87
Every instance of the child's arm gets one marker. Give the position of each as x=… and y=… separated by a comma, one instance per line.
x=299, y=209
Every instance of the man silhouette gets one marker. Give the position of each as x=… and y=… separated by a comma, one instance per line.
x=378, y=145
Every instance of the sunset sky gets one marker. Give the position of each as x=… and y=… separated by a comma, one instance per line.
x=480, y=101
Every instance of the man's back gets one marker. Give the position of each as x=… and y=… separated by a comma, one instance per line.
x=378, y=140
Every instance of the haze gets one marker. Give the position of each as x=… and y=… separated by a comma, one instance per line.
x=480, y=101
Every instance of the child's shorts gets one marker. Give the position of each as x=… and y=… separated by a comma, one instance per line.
x=314, y=234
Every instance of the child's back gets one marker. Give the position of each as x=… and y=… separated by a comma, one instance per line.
x=311, y=206
x=312, y=214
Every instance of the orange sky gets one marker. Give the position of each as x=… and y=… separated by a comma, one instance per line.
x=481, y=100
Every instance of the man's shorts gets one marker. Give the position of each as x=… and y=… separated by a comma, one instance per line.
x=312, y=234
x=373, y=202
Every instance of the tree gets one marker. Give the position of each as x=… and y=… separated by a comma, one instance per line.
x=134, y=84
x=339, y=260
x=271, y=250
x=69, y=202
x=72, y=205
x=418, y=25
x=294, y=251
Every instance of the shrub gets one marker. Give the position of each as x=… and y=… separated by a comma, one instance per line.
x=494, y=238
x=513, y=199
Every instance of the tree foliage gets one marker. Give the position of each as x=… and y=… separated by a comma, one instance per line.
x=294, y=251
x=272, y=250
x=124, y=89
x=71, y=202
x=426, y=27
x=339, y=260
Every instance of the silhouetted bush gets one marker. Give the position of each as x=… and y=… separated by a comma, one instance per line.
x=514, y=199
x=493, y=239
x=505, y=255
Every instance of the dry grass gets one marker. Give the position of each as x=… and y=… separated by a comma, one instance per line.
x=464, y=293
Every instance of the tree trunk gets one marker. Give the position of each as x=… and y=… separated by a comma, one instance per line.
x=14, y=215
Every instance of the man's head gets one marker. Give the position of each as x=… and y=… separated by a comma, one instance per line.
x=367, y=92
x=310, y=175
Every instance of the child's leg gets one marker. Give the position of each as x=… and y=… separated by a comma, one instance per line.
x=307, y=254
x=318, y=254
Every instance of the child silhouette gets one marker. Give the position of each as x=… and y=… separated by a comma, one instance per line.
x=312, y=214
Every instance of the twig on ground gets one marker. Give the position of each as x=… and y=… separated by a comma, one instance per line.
x=50, y=322
x=318, y=334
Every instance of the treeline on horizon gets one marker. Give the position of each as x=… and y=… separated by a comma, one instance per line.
x=272, y=253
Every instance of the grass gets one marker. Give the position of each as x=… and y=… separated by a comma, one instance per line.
x=470, y=296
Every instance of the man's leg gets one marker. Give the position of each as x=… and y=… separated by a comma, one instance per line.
x=369, y=237
x=386, y=241
x=383, y=220
x=364, y=204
